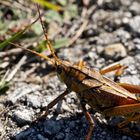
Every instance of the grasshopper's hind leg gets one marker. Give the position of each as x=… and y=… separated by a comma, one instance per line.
x=124, y=110
x=90, y=121
x=123, y=125
x=129, y=119
x=134, y=89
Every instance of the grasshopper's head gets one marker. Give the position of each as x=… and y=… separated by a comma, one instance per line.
x=62, y=70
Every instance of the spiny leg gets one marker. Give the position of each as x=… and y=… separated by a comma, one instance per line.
x=129, y=119
x=119, y=70
x=111, y=68
x=124, y=110
x=90, y=121
x=53, y=103
x=123, y=125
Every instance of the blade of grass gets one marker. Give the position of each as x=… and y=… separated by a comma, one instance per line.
x=49, y=5
x=16, y=35
x=57, y=44
x=4, y=85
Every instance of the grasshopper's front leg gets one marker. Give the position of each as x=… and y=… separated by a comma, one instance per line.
x=89, y=119
x=53, y=103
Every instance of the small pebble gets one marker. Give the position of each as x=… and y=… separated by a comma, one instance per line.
x=115, y=51
x=52, y=127
x=40, y=137
x=134, y=25
x=124, y=138
x=60, y=136
x=23, y=117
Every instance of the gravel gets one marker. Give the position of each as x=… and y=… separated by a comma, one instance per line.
x=135, y=8
x=111, y=36
x=134, y=25
x=22, y=91
x=115, y=51
x=22, y=116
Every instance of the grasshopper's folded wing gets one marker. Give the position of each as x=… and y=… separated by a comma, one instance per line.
x=120, y=89
x=92, y=83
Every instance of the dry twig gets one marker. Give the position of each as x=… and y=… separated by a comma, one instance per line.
x=17, y=67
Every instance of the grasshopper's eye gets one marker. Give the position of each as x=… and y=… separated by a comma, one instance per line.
x=59, y=69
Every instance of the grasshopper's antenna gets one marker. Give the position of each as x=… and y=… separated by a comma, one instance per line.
x=46, y=36
x=39, y=54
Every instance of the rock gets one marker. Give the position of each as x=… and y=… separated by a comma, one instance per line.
x=129, y=45
x=99, y=49
x=126, y=18
x=34, y=100
x=137, y=58
x=133, y=69
x=100, y=15
x=135, y=8
x=21, y=91
x=23, y=117
x=90, y=33
x=4, y=65
x=128, y=138
x=72, y=125
x=124, y=138
x=107, y=38
x=65, y=107
x=111, y=5
x=1, y=127
x=132, y=79
x=67, y=130
x=123, y=35
x=60, y=136
x=114, y=51
x=103, y=133
x=112, y=24
x=40, y=137
x=134, y=25
x=128, y=60
x=24, y=134
x=52, y=127
x=126, y=3
x=137, y=43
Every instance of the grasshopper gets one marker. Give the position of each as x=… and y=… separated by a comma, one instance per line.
x=93, y=88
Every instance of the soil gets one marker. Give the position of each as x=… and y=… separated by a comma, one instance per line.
x=111, y=35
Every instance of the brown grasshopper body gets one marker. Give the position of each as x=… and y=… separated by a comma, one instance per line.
x=94, y=89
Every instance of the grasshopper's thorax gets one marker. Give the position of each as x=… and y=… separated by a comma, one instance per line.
x=71, y=75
